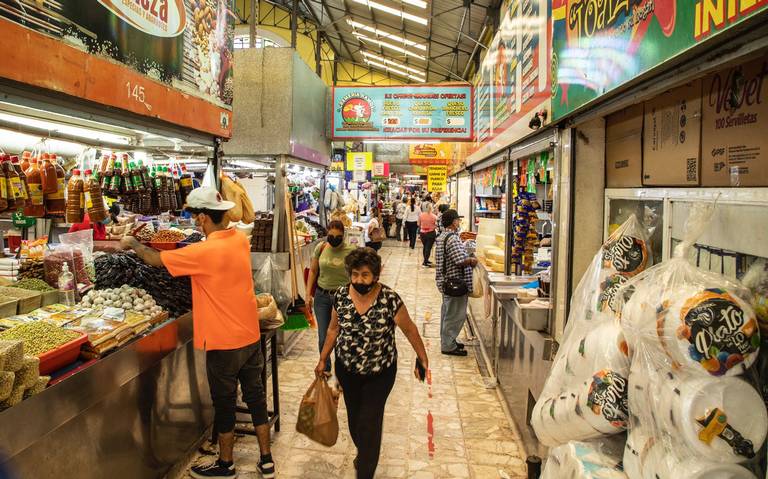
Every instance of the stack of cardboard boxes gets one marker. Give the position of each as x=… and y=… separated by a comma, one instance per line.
x=711, y=132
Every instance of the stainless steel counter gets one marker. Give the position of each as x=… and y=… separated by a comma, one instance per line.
x=133, y=414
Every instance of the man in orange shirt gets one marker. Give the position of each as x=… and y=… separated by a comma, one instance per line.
x=226, y=323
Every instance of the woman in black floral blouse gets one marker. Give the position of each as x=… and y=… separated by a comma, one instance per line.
x=362, y=330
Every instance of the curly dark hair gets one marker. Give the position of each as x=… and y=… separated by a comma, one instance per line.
x=362, y=257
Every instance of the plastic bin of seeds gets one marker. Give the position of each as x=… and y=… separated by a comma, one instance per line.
x=11, y=355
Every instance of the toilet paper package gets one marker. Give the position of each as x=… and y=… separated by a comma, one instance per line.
x=693, y=338
x=585, y=460
x=585, y=396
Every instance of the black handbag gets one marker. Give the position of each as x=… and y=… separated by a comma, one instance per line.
x=452, y=286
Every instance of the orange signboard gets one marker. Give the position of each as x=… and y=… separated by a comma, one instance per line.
x=430, y=153
x=35, y=59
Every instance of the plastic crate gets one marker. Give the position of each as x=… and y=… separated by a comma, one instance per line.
x=62, y=356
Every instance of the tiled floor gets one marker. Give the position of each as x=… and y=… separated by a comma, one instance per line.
x=470, y=438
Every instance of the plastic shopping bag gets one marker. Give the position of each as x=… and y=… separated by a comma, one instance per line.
x=317, y=414
x=477, y=285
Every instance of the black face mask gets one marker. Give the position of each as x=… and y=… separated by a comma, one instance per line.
x=363, y=288
x=335, y=240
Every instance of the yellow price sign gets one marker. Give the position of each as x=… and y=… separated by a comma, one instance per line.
x=437, y=178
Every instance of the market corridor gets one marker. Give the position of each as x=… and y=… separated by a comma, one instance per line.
x=454, y=429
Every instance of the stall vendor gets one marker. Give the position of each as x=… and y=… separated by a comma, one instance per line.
x=99, y=228
x=226, y=323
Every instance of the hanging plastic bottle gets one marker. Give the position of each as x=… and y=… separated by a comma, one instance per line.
x=55, y=203
x=75, y=198
x=36, y=208
x=22, y=180
x=94, y=201
x=67, y=286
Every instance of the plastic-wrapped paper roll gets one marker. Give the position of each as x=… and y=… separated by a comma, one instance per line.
x=667, y=397
x=608, y=290
x=709, y=330
x=656, y=462
x=557, y=421
x=634, y=449
x=639, y=395
x=601, y=347
x=721, y=419
x=695, y=468
x=603, y=402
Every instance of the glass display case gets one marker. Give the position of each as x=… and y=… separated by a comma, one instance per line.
x=734, y=239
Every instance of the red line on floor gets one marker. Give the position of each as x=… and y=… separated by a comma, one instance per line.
x=430, y=435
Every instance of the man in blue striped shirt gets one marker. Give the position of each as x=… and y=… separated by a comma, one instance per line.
x=453, y=262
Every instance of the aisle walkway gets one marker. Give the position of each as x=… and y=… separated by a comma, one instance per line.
x=454, y=429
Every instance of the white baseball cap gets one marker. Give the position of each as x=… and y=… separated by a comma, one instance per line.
x=208, y=199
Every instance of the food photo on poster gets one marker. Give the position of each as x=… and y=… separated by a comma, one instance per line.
x=184, y=43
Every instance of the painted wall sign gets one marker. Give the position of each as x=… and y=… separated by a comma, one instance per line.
x=598, y=46
x=159, y=18
x=403, y=112
x=513, y=82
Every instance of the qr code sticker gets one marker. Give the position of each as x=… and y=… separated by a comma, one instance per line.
x=691, y=170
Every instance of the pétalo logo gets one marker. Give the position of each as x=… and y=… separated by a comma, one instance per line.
x=159, y=18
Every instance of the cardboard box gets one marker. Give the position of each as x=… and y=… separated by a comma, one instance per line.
x=672, y=138
x=624, y=148
x=735, y=126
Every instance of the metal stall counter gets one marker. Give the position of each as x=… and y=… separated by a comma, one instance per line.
x=132, y=414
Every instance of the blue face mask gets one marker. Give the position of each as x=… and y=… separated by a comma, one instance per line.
x=106, y=221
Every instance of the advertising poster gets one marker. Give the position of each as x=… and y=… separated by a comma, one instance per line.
x=598, y=46
x=380, y=169
x=513, y=82
x=437, y=178
x=186, y=44
x=359, y=161
x=430, y=153
x=403, y=112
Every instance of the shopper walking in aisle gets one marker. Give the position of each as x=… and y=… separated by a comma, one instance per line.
x=362, y=331
x=412, y=222
x=441, y=209
x=399, y=209
x=226, y=323
x=374, y=233
x=327, y=273
x=454, y=280
x=427, y=226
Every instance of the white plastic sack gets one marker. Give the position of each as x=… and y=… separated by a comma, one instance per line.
x=585, y=396
x=694, y=335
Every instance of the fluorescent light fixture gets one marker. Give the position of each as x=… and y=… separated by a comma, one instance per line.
x=394, y=70
x=84, y=133
x=387, y=35
x=401, y=142
x=393, y=63
x=393, y=11
x=384, y=44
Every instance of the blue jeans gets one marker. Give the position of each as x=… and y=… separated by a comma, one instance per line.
x=453, y=314
x=323, y=308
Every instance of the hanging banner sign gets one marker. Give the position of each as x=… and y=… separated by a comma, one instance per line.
x=429, y=152
x=337, y=166
x=359, y=175
x=598, y=48
x=360, y=161
x=437, y=176
x=381, y=169
x=403, y=112
x=513, y=85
